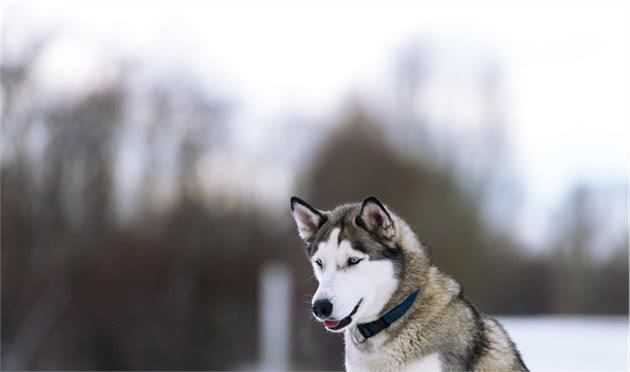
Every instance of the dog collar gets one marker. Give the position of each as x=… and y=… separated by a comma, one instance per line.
x=366, y=330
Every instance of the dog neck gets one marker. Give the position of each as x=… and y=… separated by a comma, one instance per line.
x=417, y=273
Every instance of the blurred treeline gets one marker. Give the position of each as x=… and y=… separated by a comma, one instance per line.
x=92, y=279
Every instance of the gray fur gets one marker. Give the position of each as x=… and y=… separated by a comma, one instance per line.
x=441, y=321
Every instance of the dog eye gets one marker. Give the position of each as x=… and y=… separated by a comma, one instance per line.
x=354, y=261
x=318, y=262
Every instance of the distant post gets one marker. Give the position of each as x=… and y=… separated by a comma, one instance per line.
x=274, y=317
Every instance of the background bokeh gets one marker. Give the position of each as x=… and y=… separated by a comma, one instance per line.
x=149, y=151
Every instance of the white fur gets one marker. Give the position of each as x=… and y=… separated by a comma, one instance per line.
x=357, y=361
x=345, y=286
x=429, y=363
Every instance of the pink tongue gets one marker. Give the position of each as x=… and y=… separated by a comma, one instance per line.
x=331, y=323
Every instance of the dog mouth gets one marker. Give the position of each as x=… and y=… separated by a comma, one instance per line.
x=337, y=325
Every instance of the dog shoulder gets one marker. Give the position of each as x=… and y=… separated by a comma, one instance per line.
x=499, y=353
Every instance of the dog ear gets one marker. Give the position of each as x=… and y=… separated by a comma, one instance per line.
x=375, y=218
x=307, y=218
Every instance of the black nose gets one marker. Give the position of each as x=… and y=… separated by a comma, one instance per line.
x=322, y=308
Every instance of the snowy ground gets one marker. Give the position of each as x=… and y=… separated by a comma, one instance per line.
x=571, y=343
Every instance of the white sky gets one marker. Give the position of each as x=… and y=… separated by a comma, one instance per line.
x=566, y=65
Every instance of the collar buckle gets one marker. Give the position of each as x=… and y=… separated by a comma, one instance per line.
x=357, y=336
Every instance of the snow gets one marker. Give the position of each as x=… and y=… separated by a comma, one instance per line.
x=551, y=343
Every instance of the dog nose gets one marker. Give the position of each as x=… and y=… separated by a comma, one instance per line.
x=322, y=308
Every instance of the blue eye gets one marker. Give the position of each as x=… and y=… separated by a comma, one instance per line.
x=354, y=261
x=318, y=262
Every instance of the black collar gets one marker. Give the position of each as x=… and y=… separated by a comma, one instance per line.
x=366, y=330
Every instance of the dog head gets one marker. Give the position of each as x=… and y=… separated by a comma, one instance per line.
x=355, y=258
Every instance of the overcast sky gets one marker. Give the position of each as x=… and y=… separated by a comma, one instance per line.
x=565, y=65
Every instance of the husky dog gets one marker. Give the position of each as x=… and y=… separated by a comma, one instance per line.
x=397, y=311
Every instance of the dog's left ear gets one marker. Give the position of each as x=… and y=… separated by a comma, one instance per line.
x=375, y=218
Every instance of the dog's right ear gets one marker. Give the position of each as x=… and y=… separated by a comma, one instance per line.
x=307, y=218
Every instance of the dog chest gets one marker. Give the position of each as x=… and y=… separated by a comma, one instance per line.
x=429, y=363
x=357, y=361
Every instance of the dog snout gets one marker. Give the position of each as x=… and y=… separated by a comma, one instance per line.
x=322, y=308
